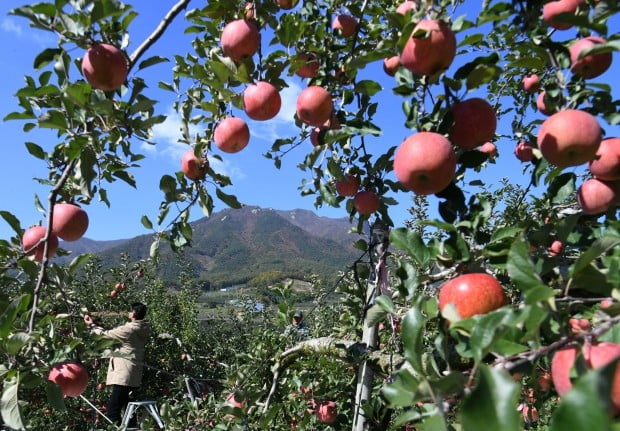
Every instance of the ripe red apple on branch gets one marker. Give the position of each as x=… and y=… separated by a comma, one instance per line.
x=531, y=83
x=308, y=65
x=314, y=106
x=591, y=65
x=240, y=39
x=366, y=202
x=430, y=49
x=326, y=412
x=192, y=167
x=471, y=294
x=231, y=135
x=345, y=25
x=425, y=163
x=475, y=122
x=70, y=222
x=569, y=138
x=32, y=236
x=261, y=101
x=391, y=65
x=524, y=151
x=553, y=10
x=596, y=196
x=606, y=166
x=348, y=186
x=105, y=67
x=596, y=355
x=71, y=377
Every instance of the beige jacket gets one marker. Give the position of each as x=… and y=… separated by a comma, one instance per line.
x=133, y=337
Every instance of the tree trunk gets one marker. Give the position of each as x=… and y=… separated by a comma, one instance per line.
x=377, y=283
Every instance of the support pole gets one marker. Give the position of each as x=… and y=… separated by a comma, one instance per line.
x=377, y=284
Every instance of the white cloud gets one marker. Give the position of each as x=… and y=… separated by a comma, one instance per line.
x=40, y=37
x=10, y=26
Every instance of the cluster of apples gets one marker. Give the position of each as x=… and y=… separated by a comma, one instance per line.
x=69, y=223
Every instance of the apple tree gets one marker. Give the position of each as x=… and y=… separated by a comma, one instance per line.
x=504, y=290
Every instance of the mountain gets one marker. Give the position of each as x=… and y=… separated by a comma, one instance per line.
x=249, y=245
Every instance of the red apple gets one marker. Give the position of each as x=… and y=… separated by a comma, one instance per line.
x=596, y=196
x=556, y=248
x=32, y=236
x=193, y=168
x=425, y=163
x=240, y=38
x=430, y=49
x=366, y=202
x=406, y=6
x=104, y=67
x=345, y=24
x=524, y=151
x=70, y=376
x=101, y=386
x=544, y=381
x=69, y=221
x=552, y=9
x=231, y=135
x=578, y=326
x=475, y=122
x=531, y=83
x=348, y=186
x=232, y=401
x=591, y=65
x=596, y=356
x=391, y=64
x=114, y=293
x=606, y=303
x=309, y=65
x=250, y=11
x=326, y=412
x=541, y=106
x=607, y=164
x=471, y=294
x=489, y=148
x=316, y=136
x=314, y=105
x=261, y=101
x=569, y=138
x=287, y=4
x=120, y=286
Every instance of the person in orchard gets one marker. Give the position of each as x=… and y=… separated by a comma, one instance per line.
x=125, y=371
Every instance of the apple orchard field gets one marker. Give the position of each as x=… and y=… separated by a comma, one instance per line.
x=496, y=305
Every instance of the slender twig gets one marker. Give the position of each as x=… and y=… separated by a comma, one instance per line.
x=158, y=32
x=50, y=214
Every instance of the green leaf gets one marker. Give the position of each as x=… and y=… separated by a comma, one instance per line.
x=53, y=119
x=45, y=57
x=599, y=247
x=9, y=406
x=146, y=222
x=412, y=243
x=385, y=303
x=54, y=396
x=492, y=403
x=15, y=342
x=482, y=74
x=12, y=221
x=7, y=318
x=401, y=391
x=78, y=261
x=152, y=61
x=562, y=187
x=592, y=390
x=368, y=87
x=411, y=335
x=35, y=150
x=520, y=267
x=230, y=200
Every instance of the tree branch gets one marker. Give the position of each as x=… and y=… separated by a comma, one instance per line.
x=158, y=32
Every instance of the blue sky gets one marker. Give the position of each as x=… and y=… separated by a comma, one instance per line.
x=255, y=179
